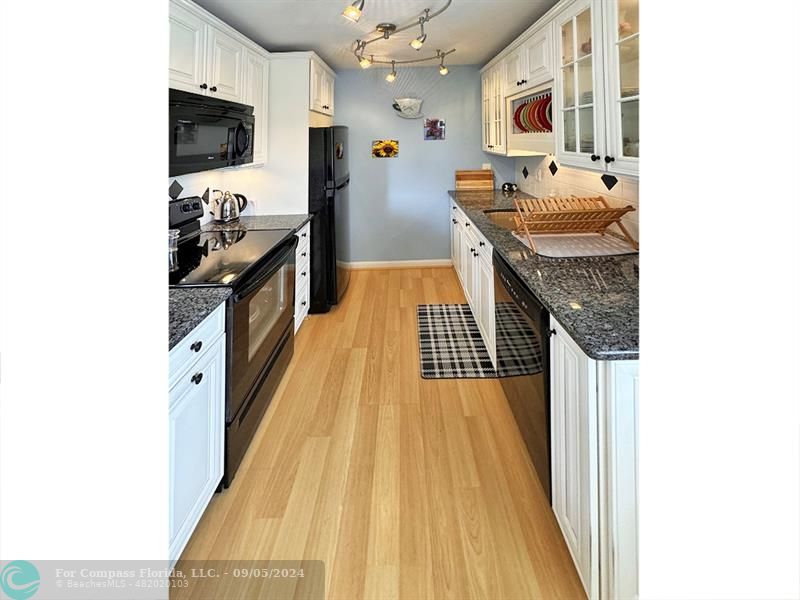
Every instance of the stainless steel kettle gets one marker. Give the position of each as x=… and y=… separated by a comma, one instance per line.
x=226, y=207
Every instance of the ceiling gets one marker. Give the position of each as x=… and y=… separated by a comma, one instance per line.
x=477, y=29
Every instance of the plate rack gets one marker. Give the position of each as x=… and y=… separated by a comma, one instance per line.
x=532, y=113
x=569, y=216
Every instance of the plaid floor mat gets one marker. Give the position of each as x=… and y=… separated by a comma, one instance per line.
x=450, y=343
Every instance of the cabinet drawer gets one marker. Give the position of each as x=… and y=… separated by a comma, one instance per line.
x=301, y=306
x=484, y=247
x=302, y=276
x=304, y=235
x=196, y=342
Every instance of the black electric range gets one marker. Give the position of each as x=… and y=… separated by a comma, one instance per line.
x=260, y=268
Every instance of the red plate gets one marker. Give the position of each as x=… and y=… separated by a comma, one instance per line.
x=518, y=121
x=547, y=113
x=541, y=114
x=533, y=112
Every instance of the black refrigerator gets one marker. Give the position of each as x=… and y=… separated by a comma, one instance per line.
x=328, y=204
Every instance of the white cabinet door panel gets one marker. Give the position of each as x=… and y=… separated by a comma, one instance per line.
x=196, y=433
x=225, y=66
x=537, y=58
x=187, y=50
x=574, y=453
x=256, y=95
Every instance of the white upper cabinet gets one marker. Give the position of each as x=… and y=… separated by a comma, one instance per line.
x=537, y=58
x=256, y=94
x=579, y=102
x=225, y=66
x=321, y=79
x=531, y=63
x=187, y=50
x=622, y=84
x=598, y=86
x=493, y=109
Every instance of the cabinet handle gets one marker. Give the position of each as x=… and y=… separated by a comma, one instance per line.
x=472, y=250
x=303, y=303
x=303, y=253
x=454, y=208
x=595, y=157
x=196, y=346
x=552, y=332
x=481, y=243
x=454, y=221
x=524, y=81
x=203, y=86
x=303, y=234
x=303, y=273
x=609, y=159
x=467, y=224
x=214, y=88
x=197, y=378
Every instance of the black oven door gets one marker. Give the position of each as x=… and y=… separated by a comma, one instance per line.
x=206, y=133
x=262, y=311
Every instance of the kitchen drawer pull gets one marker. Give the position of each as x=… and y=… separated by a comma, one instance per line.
x=303, y=235
x=467, y=224
x=303, y=303
x=197, y=378
x=454, y=221
x=203, y=86
x=481, y=243
x=303, y=273
x=196, y=346
x=214, y=89
x=303, y=253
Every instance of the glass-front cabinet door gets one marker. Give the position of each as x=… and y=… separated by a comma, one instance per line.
x=486, y=122
x=498, y=110
x=581, y=111
x=622, y=81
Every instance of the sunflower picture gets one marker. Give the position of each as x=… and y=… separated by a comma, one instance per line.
x=385, y=148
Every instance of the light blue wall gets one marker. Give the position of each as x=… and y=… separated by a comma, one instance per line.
x=399, y=206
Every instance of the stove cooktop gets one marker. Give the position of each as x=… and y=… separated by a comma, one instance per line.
x=222, y=258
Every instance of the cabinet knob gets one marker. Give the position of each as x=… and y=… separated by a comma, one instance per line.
x=481, y=243
x=213, y=88
x=472, y=250
x=303, y=234
x=609, y=159
x=196, y=346
x=467, y=224
x=595, y=157
x=303, y=303
x=303, y=273
x=197, y=378
x=552, y=332
x=303, y=253
x=524, y=81
x=203, y=86
x=454, y=221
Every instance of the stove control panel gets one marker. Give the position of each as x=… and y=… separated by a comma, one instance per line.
x=184, y=210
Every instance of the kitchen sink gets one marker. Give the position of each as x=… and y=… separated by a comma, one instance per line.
x=502, y=218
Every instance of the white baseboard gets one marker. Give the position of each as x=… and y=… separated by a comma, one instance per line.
x=399, y=264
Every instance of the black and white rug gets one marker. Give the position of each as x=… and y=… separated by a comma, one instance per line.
x=451, y=347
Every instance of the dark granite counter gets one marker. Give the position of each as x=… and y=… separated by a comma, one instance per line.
x=293, y=222
x=596, y=299
x=189, y=306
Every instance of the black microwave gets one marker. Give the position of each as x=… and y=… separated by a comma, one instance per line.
x=208, y=133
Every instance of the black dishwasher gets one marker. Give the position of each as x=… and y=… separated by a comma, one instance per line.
x=522, y=339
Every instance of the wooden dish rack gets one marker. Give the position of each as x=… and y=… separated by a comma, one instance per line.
x=569, y=215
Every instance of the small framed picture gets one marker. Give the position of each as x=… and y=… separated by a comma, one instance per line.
x=434, y=129
x=385, y=148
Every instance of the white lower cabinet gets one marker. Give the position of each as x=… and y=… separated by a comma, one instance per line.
x=472, y=261
x=302, y=282
x=594, y=444
x=196, y=430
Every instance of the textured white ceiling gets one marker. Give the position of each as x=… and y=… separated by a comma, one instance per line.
x=477, y=29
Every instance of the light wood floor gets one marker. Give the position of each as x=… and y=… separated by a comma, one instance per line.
x=405, y=487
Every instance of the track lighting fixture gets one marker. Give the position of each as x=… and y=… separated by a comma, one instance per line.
x=353, y=12
x=442, y=69
x=390, y=77
x=417, y=42
x=365, y=62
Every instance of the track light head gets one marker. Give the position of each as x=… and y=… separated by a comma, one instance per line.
x=353, y=12
x=365, y=62
x=417, y=42
x=392, y=75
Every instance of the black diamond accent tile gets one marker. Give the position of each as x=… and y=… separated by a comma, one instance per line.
x=525, y=172
x=609, y=180
x=175, y=189
x=206, y=196
x=553, y=167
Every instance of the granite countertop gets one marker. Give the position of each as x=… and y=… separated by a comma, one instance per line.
x=293, y=222
x=596, y=299
x=189, y=306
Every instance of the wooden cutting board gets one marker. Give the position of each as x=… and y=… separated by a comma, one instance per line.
x=475, y=180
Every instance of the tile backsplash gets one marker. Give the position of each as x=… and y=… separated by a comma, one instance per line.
x=569, y=181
